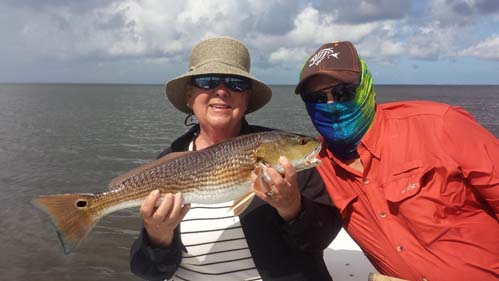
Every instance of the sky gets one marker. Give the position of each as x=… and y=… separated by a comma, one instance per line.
x=149, y=41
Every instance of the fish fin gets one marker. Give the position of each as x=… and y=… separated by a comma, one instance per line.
x=260, y=183
x=242, y=203
x=71, y=215
x=115, y=183
x=262, y=168
x=261, y=165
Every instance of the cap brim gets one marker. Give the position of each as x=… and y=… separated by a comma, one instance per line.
x=175, y=88
x=342, y=76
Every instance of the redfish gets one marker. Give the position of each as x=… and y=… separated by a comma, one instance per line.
x=216, y=174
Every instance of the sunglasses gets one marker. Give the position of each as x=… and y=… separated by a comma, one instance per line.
x=340, y=92
x=234, y=83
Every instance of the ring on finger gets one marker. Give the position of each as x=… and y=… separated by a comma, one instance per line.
x=271, y=192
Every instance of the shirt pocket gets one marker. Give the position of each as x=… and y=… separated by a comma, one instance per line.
x=405, y=181
x=414, y=201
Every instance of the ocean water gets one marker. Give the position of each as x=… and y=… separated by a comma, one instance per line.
x=66, y=138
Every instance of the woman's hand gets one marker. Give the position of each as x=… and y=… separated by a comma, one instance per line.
x=161, y=217
x=282, y=191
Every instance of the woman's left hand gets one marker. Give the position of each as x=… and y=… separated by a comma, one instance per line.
x=282, y=191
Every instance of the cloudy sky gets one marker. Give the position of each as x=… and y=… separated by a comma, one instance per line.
x=149, y=41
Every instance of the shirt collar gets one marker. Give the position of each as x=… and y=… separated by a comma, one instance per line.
x=182, y=143
x=372, y=139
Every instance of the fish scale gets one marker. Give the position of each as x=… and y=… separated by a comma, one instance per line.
x=216, y=174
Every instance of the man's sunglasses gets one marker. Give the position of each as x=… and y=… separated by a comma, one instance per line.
x=340, y=92
x=234, y=83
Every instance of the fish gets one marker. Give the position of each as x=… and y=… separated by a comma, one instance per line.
x=216, y=174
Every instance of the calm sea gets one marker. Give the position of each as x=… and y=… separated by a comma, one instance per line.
x=61, y=138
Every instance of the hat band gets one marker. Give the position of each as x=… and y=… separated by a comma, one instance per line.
x=194, y=67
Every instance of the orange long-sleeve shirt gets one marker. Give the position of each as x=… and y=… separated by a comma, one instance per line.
x=426, y=206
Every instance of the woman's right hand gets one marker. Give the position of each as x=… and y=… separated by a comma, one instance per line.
x=160, y=221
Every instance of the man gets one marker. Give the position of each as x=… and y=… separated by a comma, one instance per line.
x=416, y=182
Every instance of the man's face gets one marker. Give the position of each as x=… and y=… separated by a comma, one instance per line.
x=320, y=85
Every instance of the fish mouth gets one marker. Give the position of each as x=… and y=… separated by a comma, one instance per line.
x=310, y=159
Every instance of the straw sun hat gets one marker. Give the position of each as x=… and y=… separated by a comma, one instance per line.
x=221, y=55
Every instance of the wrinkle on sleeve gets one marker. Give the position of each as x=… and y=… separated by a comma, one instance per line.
x=476, y=150
x=154, y=263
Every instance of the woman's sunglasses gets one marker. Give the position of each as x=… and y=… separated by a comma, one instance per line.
x=234, y=83
x=340, y=92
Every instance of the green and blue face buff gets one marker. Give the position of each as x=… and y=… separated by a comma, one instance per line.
x=344, y=121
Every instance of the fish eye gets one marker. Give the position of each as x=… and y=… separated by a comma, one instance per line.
x=302, y=141
x=81, y=203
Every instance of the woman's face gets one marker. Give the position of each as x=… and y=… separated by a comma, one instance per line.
x=219, y=108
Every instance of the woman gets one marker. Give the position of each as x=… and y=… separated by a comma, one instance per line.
x=279, y=237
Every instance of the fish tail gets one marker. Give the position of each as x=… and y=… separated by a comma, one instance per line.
x=72, y=214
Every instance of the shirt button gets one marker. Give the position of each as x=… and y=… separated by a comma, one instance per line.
x=382, y=215
x=400, y=248
x=366, y=181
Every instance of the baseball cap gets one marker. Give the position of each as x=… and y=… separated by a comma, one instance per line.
x=338, y=60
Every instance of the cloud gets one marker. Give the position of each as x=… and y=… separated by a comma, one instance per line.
x=312, y=29
x=63, y=33
x=463, y=12
x=432, y=41
x=144, y=29
x=487, y=6
x=288, y=54
x=487, y=49
x=278, y=30
x=280, y=34
x=360, y=11
x=271, y=17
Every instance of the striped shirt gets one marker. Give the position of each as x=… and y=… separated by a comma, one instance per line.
x=216, y=246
